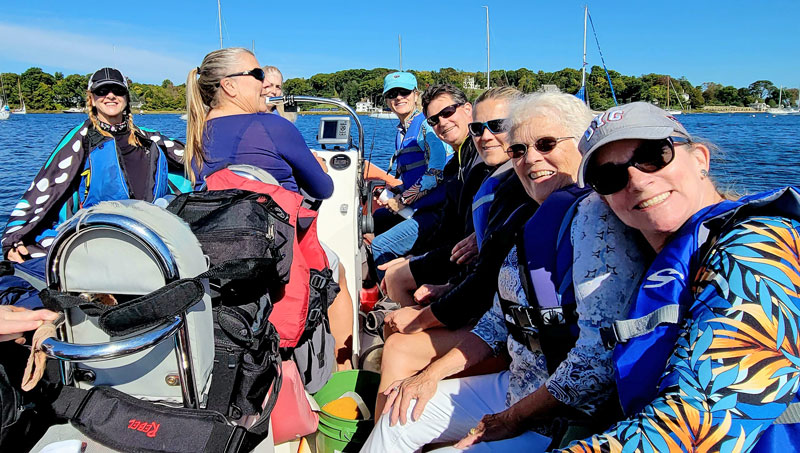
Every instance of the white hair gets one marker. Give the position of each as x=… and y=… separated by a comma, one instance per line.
x=564, y=109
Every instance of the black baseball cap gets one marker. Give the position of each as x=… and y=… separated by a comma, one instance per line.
x=107, y=76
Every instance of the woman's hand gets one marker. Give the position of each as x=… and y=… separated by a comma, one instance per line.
x=492, y=427
x=411, y=320
x=14, y=321
x=17, y=254
x=466, y=250
x=427, y=293
x=420, y=387
x=395, y=204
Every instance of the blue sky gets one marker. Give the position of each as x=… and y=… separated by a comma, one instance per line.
x=730, y=42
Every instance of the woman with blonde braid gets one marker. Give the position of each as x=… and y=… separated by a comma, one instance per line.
x=105, y=158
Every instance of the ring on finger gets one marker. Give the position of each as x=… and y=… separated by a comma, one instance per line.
x=473, y=431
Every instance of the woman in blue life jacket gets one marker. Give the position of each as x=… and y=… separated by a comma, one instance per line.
x=105, y=158
x=548, y=320
x=228, y=124
x=419, y=156
x=711, y=360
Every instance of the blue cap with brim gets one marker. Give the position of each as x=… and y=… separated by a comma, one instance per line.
x=399, y=80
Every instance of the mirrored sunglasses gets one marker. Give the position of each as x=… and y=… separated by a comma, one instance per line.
x=498, y=126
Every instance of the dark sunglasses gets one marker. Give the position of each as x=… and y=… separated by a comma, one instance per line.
x=446, y=112
x=650, y=157
x=256, y=73
x=543, y=145
x=105, y=89
x=495, y=127
x=394, y=92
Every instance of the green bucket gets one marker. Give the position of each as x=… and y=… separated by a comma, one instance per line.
x=336, y=434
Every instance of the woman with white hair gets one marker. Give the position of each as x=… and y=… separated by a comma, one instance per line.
x=548, y=321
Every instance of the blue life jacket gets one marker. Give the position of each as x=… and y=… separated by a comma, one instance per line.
x=103, y=179
x=657, y=313
x=410, y=156
x=545, y=265
x=482, y=202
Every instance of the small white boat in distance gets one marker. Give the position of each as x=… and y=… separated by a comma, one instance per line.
x=383, y=115
x=73, y=110
x=674, y=112
x=4, y=111
x=185, y=116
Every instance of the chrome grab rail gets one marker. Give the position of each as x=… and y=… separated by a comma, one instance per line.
x=71, y=352
x=292, y=99
x=131, y=227
x=104, y=351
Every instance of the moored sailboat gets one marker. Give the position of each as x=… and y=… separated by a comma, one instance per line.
x=5, y=112
x=582, y=94
x=21, y=110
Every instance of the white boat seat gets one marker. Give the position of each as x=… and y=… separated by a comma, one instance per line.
x=131, y=248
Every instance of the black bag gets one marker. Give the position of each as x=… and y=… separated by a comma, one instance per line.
x=24, y=416
x=236, y=224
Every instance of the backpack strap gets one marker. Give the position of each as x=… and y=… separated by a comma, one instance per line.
x=118, y=420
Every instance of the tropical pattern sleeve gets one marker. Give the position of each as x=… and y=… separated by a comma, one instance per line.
x=736, y=366
x=437, y=152
x=39, y=206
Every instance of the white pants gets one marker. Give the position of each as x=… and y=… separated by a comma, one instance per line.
x=457, y=406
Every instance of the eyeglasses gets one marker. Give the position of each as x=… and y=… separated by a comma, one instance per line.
x=446, y=112
x=395, y=92
x=256, y=73
x=495, y=127
x=650, y=157
x=543, y=145
x=105, y=89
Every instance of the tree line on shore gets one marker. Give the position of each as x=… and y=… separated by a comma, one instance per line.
x=53, y=92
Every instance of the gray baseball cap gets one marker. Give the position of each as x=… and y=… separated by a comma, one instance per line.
x=637, y=120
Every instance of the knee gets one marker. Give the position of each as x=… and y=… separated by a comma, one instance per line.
x=397, y=350
x=398, y=278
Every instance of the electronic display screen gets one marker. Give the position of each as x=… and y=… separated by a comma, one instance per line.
x=334, y=130
x=329, y=129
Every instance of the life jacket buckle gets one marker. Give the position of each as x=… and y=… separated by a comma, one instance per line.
x=318, y=281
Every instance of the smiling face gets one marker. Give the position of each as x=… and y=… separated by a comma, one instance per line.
x=109, y=107
x=244, y=93
x=402, y=106
x=659, y=203
x=543, y=173
x=451, y=130
x=492, y=147
x=273, y=87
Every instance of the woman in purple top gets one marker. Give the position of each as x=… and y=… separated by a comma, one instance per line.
x=227, y=125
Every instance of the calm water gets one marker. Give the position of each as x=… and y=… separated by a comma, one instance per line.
x=757, y=152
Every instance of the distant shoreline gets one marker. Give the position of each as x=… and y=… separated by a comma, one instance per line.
x=340, y=112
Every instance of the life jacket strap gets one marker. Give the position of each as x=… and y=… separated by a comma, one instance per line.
x=405, y=168
x=624, y=330
x=789, y=416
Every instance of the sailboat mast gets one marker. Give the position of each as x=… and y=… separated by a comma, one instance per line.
x=219, y=19
x=488, y=79
x=400, y=46
x=583, y=68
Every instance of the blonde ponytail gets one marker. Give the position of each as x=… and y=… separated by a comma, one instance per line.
x=196, y=113
x=202, y=85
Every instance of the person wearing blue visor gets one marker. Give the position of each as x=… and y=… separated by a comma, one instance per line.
x=419, y=160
